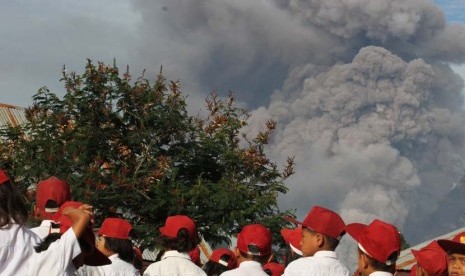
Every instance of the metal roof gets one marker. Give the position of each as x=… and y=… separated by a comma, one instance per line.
x=11, y=115
x=407, y=260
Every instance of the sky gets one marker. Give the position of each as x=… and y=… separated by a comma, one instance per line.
x=367, y=94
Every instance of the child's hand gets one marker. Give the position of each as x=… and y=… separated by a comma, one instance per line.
x=89, y=210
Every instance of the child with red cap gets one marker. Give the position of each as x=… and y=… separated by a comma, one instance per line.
x=70, y=245
x=16, y=240
x=431, y=260
x=322, y=230
x=179, y=236
x=114, y=242
x=51, y=194
x=378, y=247
x=221, y=260
x=252, y=251
x=455, y=249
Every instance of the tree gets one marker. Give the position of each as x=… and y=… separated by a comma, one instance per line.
x=131, y=149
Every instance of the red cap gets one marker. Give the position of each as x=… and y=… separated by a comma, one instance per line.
x=293, y=238
x=220, y=252
x=96, y=258
x=54, y=189
x=3, y=177
x=456, y=245
x=194, y=254
x=413, y=270
x=275, y=268
x=431, y=258
x=255, y=235
x=323, y=221
x=379, y=239
x=115, y=228
x=175, y=223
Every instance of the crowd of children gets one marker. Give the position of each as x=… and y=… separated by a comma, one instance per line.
x=65, y=244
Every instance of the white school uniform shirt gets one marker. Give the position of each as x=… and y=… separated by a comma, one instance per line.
x=58, y=258
x=322, y=263
x=118, y=267
x=43, y=229
x=246, y=268
x=16, y=247
x=174, y=263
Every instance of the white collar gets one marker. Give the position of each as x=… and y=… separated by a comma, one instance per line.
x=249, y=263
x=175, y=254
x=326, y=254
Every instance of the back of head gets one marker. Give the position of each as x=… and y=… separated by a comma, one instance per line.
x=379, y=240
x=51, y=194
x=116, y=232
x=221, y=260
x=255, y=240
x=324, y=221
x=179, y=233
x=12, y=208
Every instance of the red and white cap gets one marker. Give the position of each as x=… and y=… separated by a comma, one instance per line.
x=431, y=258
x=379, y=239
x=54, y=189
x=175, y=223
x=324, y=221
x=254, y=239
x=115, y=228
x=219, y=253
x=3, y=177
x=293, y=237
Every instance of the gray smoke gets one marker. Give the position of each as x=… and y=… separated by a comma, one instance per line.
x=373, y=138
x=362, y=90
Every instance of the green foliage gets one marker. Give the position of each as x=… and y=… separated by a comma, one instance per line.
x=130, y=149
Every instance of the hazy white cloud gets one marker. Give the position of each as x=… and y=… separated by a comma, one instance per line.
x=39, y=37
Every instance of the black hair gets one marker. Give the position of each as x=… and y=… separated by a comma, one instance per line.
x=160, y=254
x=331, y=242
x=43, y=246
x=261, y=259
x=121, y=246
x=213, y=268
x=268, y=271
x=12, y=206
x=137, y=263
x=182, y=243
x=379, y=266
x=51, y=204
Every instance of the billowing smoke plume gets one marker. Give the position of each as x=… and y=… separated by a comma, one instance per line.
x=362, y=91
x=378, y=137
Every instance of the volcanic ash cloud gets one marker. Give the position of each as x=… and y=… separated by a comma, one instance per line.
x=378, y=137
